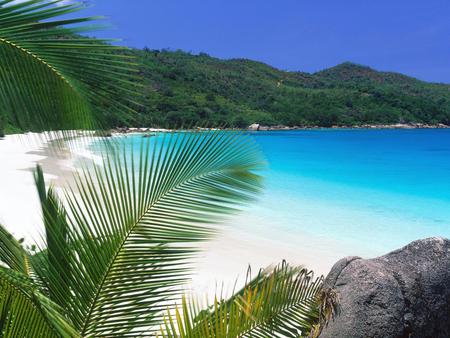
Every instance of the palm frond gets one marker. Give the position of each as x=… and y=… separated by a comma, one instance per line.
x=12, y=254
x=53, y=261
x=25, y=312
x=133, y=224
x=51, y=78
x=280, y=303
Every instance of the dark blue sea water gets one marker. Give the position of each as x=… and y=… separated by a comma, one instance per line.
x=361, y=192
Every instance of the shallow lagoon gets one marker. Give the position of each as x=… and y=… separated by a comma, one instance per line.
x=331, y=193
x=373, y=190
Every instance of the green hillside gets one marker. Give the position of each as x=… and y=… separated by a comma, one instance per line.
x=182, y=89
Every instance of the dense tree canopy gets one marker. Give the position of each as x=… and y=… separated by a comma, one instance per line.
x=182, y=89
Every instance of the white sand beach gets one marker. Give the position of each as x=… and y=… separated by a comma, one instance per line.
x=226, y=259
x=222, y=260
x=19, y=204
x=19, y=155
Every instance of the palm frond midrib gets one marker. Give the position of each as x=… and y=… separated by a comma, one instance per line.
x=39, y=59
x=152, y=205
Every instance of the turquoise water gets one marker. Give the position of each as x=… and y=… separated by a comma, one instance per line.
x=364, y=192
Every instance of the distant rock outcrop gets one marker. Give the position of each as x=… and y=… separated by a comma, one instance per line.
x=405, y=293
x=253, y=127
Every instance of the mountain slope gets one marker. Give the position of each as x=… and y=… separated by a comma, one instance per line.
x=181, y=88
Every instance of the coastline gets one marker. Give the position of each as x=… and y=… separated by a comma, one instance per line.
x=19, y=203
x=260, y=127
x=19, y=154
x=255, y=238
x=225, y=260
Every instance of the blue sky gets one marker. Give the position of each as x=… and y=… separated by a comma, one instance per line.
x=411, y=37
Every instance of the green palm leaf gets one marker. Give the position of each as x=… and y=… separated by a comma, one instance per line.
x=25, y=311
x=53, y=261
x=132, y=225
x=280, y=303
x=12, y=254
x=51, y=78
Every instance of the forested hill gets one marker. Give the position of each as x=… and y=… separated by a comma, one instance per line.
x=181, y=89
x=185, y=89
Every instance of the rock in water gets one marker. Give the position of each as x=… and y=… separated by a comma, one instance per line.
x=405, y=293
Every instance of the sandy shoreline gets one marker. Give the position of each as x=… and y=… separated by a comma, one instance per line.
x=259, y=127
x=226, y=259
x=19, y=203
x=221, y=261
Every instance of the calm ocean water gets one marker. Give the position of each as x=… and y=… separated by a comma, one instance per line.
x=366, y=191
